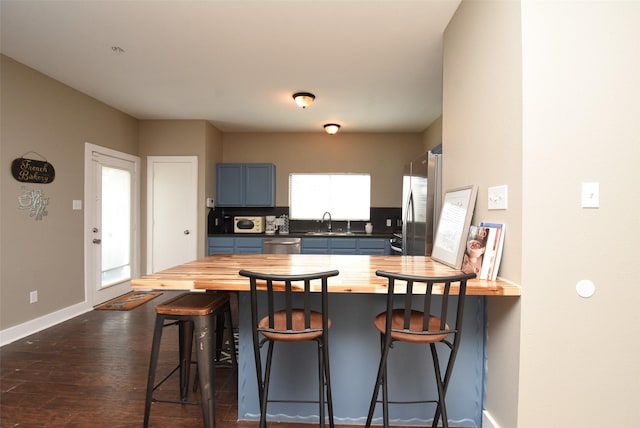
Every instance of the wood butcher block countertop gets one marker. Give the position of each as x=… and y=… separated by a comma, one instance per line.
x=357, y=273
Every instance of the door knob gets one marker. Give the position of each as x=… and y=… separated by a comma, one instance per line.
x=186, y=232
x=97, y=241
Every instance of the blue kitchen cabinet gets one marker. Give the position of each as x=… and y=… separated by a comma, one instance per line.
x=314, y=246
x=374, y=246
x=343, y=246
x=369, y=246
x=220, y=245
x=245, y=185
x=249, y=245
x=234, y=245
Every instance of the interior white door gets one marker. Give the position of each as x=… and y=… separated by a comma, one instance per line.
x=111, y=222
x=172, y=211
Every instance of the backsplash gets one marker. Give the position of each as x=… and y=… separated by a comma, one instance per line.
x=220, y=220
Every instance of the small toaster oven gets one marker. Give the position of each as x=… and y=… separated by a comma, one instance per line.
x=248, y=224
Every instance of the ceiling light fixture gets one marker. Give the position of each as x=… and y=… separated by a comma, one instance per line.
x=331, y=128
x=304, y=99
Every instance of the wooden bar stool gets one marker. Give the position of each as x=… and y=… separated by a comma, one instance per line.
x=413, y=316
x=291, y=324
x=196, y=315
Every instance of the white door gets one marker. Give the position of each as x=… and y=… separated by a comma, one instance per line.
x=111, y=222
x=172, y=211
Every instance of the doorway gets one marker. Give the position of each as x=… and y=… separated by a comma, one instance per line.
x=112, y=241
x=172, y=211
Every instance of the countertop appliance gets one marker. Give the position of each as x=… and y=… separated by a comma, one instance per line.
x=421, y=204
x=271, y=225
x=248, y=224
x=288, y=245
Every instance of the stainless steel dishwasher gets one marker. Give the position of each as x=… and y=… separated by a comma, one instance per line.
x=281, y=245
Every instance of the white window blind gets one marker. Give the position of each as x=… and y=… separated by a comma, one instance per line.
x=345, y=196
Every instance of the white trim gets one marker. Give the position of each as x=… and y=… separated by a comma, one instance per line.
x=28, y=328
x=488, y=421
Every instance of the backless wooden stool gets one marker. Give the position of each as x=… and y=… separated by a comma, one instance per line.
x=196, y=315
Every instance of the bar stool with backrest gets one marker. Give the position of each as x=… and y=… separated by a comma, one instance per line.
x=413, y=315
x=292, y=323
x=196, y=315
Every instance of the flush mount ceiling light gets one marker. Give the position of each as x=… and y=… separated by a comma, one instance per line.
x=331, y=128
x=304, y=99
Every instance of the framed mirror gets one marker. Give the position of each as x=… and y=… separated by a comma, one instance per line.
x=453, y=225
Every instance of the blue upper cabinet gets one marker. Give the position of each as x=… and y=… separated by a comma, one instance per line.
x=245, y=185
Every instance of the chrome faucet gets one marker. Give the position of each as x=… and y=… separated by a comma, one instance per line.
x=323, y=217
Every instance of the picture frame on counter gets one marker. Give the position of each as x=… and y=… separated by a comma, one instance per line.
x=453, y=225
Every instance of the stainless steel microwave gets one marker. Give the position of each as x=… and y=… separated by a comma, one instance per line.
x=248, y=224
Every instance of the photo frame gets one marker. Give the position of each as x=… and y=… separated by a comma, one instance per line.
x=453, y=225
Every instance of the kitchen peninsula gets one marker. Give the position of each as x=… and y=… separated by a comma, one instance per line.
x=357, y=273
x=356, y=297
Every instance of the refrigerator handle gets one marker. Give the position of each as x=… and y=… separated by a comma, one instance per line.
x=408, y=214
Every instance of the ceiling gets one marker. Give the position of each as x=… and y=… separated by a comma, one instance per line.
x=374, y=65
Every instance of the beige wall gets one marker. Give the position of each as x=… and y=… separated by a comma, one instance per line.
x=213, y=155
x=580, y=124
x=543, y=96
x=482, y=130
x=42, y=115
x=433, y=134
x=383, y=155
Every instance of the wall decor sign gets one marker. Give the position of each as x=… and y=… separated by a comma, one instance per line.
x=32, y=170
x=34, y=201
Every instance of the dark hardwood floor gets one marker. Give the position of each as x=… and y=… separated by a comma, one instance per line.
x=91, y=371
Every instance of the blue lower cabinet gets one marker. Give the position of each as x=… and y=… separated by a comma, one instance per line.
x=220, y=245
x=316, y=245
x=374, y=246
x=250, y=245
x=368, y=246
x=233, y=245
x=342, y=246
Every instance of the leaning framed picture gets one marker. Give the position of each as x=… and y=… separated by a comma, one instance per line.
x=453, y=225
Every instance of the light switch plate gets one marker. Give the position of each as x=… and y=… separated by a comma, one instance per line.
x=591, y=195
x=77, y=204
x=497, y=197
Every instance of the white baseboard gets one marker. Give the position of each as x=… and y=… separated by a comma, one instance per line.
x=17, y=332
x=488, y=421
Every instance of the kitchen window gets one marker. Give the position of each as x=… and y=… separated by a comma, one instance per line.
x=345, y=196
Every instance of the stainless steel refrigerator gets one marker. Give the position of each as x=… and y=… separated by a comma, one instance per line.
x=421, y=203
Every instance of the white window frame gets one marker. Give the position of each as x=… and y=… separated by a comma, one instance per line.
x=347, y=196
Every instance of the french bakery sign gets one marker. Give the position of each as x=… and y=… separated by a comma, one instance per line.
x=32, y=171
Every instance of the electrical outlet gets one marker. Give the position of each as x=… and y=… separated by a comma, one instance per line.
x=211, y=203
x=33, y=296
x=388, y=222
